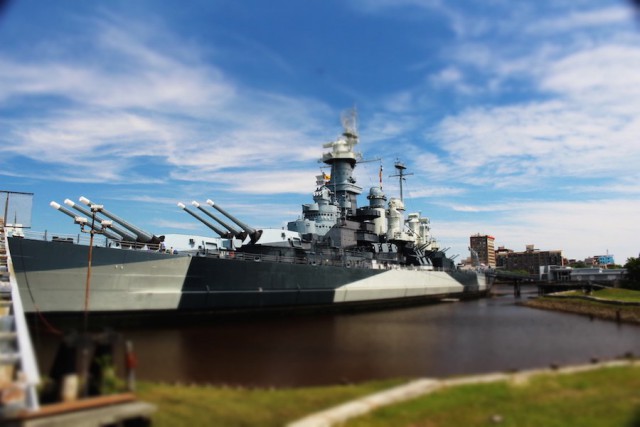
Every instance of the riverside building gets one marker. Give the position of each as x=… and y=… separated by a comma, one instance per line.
x=483, y=245
x=530, y=260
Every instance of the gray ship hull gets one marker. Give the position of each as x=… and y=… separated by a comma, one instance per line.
x=52, y=277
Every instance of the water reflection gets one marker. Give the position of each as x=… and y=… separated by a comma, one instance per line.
x=436, y=340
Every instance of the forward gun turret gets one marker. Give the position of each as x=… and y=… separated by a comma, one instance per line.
x=241, y=235
x=141, y=235
x=81, y=220
x=253, y=234
x=120, y=233
x=221, y=233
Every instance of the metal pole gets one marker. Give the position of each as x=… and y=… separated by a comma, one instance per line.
x=6, y=209
x=88, y=282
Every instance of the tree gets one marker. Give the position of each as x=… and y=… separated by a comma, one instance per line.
x=633, y=273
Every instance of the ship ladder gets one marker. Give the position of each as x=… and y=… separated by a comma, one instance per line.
x=19, y=374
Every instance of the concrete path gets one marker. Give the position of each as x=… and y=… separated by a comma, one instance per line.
x=421, y=387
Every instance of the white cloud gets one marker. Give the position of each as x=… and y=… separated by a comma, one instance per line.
x=588, y=127
x=454, y=78
x=578, y=20
x=579, y=228
x=128, y=101
x=164, y=224
x=549, y=107
x=431, y=191
x=606, y=73
x=264, y=182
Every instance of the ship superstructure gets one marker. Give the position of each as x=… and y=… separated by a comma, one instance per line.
x=377, y=232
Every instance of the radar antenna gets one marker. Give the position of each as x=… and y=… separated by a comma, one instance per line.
x=400, y=167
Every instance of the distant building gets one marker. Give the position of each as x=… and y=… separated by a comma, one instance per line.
x=503, y=250
x=530, y=260
x=483, y=245
x=603, y=260
x=610, y=277
x=598, y=261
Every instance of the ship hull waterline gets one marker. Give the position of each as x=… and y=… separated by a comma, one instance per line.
x=52, y=278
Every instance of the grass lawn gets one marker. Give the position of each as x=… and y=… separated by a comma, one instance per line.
x=606, y=397
x=617, y=294
x=180, y=405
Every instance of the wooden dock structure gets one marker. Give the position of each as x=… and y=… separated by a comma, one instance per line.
x=20, y=376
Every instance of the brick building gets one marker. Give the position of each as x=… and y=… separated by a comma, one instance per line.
x=483, y=245
x=530, y=260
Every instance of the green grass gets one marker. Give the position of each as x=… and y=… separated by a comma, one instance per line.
x=180, y=405
x=606, y=397
x=614, y=294
x=618, y=294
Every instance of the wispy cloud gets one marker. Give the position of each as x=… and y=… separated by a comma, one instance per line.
x=577, y=20
x=569, y=226
x=512, y=118
x=128, y=101
x=589, y=129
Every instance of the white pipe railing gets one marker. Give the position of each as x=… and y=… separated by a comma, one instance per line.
x=28, y=363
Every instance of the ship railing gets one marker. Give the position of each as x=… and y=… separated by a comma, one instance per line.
x=80, y=238
x=242, y=256
x=268, y=258
x=85, y=239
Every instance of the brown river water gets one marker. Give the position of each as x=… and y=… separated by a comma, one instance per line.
x=437, y=340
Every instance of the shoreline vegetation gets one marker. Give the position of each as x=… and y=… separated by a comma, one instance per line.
x=584, y=398
x=621, y=305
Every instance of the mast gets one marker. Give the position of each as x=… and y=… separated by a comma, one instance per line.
x=401, y=168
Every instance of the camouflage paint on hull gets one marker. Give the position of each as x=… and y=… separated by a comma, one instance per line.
x=52, y=277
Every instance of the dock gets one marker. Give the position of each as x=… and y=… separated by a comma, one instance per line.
x=20, y=375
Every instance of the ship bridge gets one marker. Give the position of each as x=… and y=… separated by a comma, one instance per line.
x=343, y=158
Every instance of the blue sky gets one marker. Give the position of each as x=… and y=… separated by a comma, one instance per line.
x=517, y=119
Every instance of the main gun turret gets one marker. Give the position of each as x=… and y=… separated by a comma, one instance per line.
x=141, y=235
x=83, y=221
x=120, y=233
x=221, y=233
x=254, y=235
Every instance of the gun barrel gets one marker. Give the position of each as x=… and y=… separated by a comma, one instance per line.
x=254, y=234
x=119, y=233
x=141, y=235
x=221, y=233
x=110, y=234
x=62, y=209
x=238, y=234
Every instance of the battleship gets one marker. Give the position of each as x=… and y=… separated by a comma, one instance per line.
x=335, y=255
